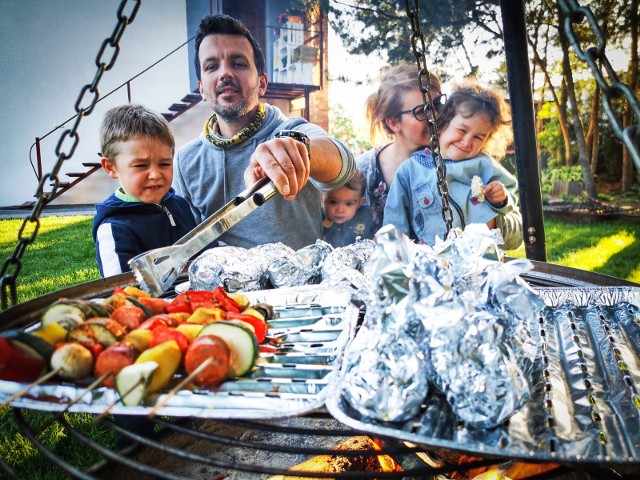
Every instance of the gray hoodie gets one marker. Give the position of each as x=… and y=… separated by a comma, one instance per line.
x=208, y=177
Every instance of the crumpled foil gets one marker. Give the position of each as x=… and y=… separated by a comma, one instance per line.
x=300, y=268
x=275, y=265
x=463, y=321
x=345, y=265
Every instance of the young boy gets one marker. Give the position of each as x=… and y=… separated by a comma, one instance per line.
x=144, y=213
x=345, y=215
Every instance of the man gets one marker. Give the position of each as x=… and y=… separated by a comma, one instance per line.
x=238, y=147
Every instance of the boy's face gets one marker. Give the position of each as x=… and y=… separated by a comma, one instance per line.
x=340, y=205
x=144, y=168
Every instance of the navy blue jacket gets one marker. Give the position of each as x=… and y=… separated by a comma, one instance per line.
x=123, y=229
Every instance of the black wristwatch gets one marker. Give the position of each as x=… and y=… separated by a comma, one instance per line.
x=299, y=136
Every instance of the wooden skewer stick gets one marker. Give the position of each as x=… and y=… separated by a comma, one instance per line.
x=93, y=385
x=24, y=391
x=180, y=385
x=113, y=404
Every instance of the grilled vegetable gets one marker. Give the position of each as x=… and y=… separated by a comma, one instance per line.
x=73, y=360
x=104, y=331
x=18, y=364
x=114, y=359
x=204, y=315
x=64, y=313
x=132, y=383
x=129, y=316
x=155, y=305
x=190, y=330
x=259, y=325
x=241, y=341
x=139, y=338
x=161, y=335
x=168, y=356
x=29, y=343
x=202, y=349
x=241, y=300
x=51, y=333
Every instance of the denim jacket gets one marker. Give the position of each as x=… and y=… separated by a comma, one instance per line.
x=414, y=205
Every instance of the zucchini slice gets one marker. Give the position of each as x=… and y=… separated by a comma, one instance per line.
x=29, y=343
x=148, y=313
x=132, y=383
x=92, y=333
x=241, y=341
x=66, y=314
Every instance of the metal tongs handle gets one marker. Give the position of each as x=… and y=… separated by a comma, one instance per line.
x=205, y=233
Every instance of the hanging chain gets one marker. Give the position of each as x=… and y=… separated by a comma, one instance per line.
x=13, y=264
x=611, y=89
x=424, y=81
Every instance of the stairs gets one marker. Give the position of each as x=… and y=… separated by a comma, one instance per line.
x=175, y=110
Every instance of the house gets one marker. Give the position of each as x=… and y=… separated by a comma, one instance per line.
x=50, y=57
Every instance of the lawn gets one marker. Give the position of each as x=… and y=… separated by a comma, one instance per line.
x=63, y=255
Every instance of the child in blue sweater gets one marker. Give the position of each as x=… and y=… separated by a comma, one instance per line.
x=475, y=130
x=144, y=213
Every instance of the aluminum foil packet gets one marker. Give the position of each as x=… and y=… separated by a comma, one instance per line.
x=469, y=322
x=275, y=265
x=235, y=268
x=345, y=265
x=304, y=267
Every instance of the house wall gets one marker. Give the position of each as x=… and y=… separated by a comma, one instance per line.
x=49, y=53
x=48, y=50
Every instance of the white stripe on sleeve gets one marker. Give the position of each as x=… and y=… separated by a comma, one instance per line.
x=108, y=255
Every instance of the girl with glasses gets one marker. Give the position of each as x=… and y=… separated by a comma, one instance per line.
x=397, y=125
x=474, y=130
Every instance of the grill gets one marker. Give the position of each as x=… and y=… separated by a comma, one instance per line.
x=268, y=444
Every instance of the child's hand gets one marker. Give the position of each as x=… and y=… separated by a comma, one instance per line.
x=495, y=193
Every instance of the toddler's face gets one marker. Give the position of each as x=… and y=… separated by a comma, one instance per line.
x=340, y=205
x=464, y=137
x=144, y=168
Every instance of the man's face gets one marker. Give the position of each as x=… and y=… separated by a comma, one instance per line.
x=229, y=83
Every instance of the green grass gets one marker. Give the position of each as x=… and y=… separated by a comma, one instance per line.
x=610, y=247
x=63, y=255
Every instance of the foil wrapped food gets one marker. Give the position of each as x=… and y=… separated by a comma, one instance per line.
x=275, y=265
x=457, y=320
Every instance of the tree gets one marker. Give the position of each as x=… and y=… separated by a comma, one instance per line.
x=453, y=27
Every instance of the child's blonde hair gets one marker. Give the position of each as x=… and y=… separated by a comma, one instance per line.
x=356, y=183
x=387, y=102
x=126, y=122
x=469, y=98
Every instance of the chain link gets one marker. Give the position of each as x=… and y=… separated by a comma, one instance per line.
x=612, y=88
x=424, y=80
x=69, y=139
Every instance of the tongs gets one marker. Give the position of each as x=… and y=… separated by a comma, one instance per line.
x=156, y=270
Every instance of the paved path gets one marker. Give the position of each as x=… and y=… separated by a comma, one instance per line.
x=49, y=211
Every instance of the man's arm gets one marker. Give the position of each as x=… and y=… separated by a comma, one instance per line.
x=286, y=162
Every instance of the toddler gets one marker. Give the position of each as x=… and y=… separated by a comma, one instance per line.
x=345, y=215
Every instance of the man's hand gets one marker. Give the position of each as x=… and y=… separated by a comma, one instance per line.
x=285, y=161
x=495, y=193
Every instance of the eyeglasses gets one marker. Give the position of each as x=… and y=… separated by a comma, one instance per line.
x=420, y=112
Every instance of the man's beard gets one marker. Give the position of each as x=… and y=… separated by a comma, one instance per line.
x=237, y=110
